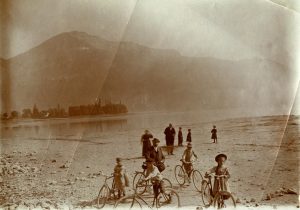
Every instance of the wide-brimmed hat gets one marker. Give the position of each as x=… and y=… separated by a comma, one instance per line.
x=155, y=140
x=189, y=145
x=219, y=156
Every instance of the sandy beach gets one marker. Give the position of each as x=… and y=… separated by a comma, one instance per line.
x=54, y=171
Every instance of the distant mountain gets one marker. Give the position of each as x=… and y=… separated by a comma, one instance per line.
x=68, y=69
x=152, y=79
x=74, y=68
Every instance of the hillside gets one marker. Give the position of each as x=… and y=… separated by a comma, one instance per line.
x=74, y=68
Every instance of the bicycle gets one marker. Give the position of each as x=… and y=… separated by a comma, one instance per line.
x=169, y=198
x=141, y=187
x=106, y=193
x=220, y=200
x=181, y=176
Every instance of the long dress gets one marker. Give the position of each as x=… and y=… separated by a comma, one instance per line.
x=220, y=184
x=214, y=133
x=146, y=143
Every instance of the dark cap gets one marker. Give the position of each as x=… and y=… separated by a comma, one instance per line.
x=155, y=140
x=118, y=159
x=219, y=156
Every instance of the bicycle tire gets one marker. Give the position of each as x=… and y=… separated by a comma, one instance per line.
x=206, y=194
x=101, y=199
x=197, y=179
x=228, y=200
x=169, y=198
x=140, y=189
x=167, y=183
x=179, y=174
x=135, y=202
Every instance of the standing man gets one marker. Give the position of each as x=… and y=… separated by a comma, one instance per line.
x=180, y=137
x=155, y=153
x=170, y=136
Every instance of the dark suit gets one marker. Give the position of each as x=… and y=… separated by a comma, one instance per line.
x=170, y=136
x=156, y=156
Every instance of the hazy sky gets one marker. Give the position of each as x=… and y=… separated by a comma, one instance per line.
x=228, y=29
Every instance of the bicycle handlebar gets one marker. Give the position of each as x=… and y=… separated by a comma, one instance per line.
x=105, y=175
x=216, y=176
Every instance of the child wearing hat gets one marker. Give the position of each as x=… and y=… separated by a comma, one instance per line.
x=188, y=158
x=153, y=174
x=220, y=182
x=120, y=178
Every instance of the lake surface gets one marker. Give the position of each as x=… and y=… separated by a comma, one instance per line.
x=95, y=126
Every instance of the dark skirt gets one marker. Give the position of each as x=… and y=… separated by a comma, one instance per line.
x=146, y=146
x=214, y=136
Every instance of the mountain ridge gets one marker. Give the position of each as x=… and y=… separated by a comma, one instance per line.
x=74, y=68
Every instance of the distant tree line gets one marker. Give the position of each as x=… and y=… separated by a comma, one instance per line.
x=59, y=112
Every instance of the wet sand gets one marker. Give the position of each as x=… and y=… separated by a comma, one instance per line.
x=263, y=158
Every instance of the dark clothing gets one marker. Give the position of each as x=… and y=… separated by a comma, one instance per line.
x=189, y=137
x=180, y=138
x=170, y=136
x=214, y=133
x=156, y=156
x=146, y=143
x=158, y=186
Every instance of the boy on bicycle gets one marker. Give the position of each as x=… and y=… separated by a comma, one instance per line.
x=222, y=175
x=120, y=178
x=188, y=158
x=153, y=174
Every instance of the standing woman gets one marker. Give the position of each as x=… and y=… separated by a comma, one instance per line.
x=145, y=140
x=214, y=134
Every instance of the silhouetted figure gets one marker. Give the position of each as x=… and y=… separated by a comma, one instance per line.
x=145, y=140
x=180, y=137
x=189, y=136
x=170, y=136
x=214, y=134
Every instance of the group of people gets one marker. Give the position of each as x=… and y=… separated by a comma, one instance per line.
x=170, y=138
x=154, y=164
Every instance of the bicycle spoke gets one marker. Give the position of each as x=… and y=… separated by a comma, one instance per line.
x=169, y=198
x=102, y=196
x=224, y=199
x=141, y=188
x=197, y=180
x=179, y=174
x=206, y=194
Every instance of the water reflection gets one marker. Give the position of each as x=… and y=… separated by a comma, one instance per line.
x=50, y=128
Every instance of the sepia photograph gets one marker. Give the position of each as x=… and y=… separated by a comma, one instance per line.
x=149, y=104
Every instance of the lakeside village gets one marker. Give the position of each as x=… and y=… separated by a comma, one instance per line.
x=59, y=112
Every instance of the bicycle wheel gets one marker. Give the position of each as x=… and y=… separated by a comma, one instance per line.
x=179, y=174
x=169, y=198
x=167, y=183
x=197, y=179
x=140, y=188
x=206, y=194
x=102, y=196
x=128, y=202
x=224, y=199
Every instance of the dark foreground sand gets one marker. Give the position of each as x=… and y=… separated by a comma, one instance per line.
x=263, y=159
